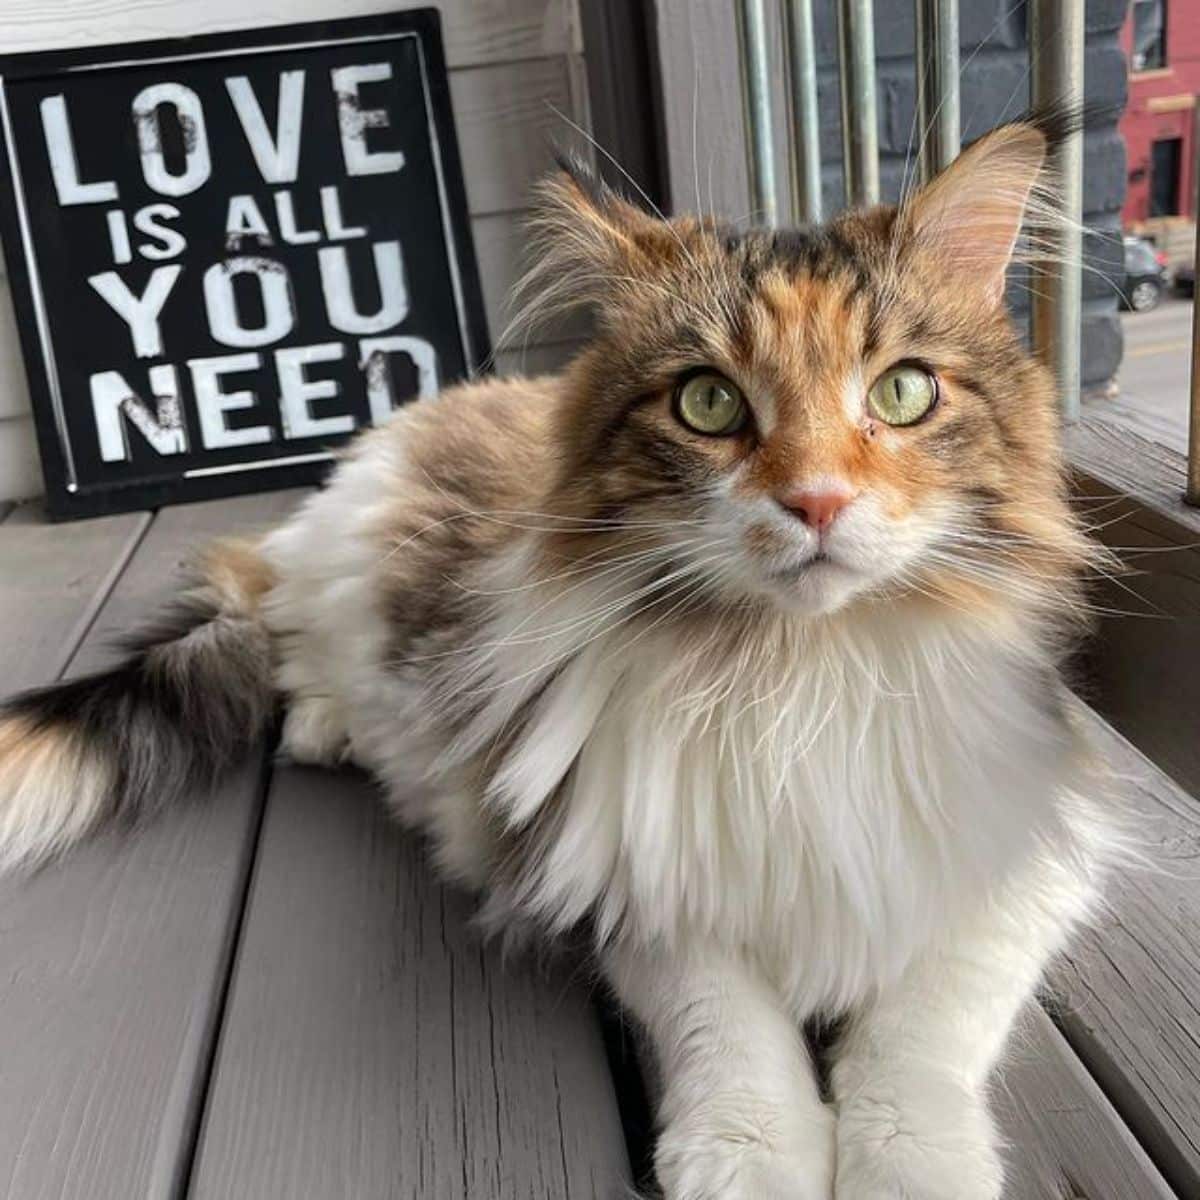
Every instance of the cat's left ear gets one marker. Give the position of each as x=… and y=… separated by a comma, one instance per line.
x=971, y=214
x=589, y=243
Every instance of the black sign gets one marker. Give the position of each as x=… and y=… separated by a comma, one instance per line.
x=229, y=253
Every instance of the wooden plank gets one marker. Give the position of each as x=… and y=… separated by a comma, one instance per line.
x=1143, y=665
x=52, y=582
x=373, y=1047
x=1065, y=1141
x=508, y=129
x=14, y=391
x=20, y=474
x=115, y=959
x=474, y=33
x=1128, y=992
x=1156, y=416
x=1149, y=472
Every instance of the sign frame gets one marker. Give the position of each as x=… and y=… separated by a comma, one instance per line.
x=64, y=497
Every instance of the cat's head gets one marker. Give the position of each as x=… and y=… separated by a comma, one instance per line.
x=816, y=418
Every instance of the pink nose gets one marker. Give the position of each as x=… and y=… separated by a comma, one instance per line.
x=815, y=509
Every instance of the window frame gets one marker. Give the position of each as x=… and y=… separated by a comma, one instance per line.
x=1164, y=62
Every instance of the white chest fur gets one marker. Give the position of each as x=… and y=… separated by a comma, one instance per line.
x=828, y=800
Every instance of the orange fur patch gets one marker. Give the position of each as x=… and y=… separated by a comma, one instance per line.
x=238, y=572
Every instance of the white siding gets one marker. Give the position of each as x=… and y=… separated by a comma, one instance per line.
x=510, y=61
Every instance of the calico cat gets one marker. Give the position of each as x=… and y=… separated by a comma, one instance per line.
x=735, y=645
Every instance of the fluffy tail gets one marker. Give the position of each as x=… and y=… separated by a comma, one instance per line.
x=191, y=700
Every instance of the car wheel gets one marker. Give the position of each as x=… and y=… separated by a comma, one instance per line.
x=1145, y=295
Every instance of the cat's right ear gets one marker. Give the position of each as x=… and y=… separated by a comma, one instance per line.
x=587, y=244
x=970, y=216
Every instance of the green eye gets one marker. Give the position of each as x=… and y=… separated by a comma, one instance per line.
x=709, y=403
x=902, y=395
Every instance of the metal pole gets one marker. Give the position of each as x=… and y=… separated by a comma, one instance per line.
x=860, y=135
x=937, y=85
x=1192, y=495
x=1056, y=31
x=756, y=100
x=804, y=147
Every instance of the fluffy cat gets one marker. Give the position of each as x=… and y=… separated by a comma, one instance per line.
x=736, y=645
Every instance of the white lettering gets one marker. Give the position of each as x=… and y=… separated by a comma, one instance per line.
x=170, y=242
x=189, y=113
x=113, y=399
x=354, y=120
x=212, y=403
x=288, y=229
x=278, y=154
x=64, y=165
x=244, y=219
x=296, y=391
x=140, y=313
x=381, y=387
x=279, y=309
x=331, y=213
x=339, y=295
x=118, y=236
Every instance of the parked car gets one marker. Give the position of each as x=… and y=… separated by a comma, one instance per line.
x=1145, y=275
x=1185, y=280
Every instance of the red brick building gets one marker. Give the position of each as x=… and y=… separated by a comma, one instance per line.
x=1162, y=41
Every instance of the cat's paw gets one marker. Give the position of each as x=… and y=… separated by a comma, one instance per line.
x=314, y=731
x=746, y=1163
x=926, y=1140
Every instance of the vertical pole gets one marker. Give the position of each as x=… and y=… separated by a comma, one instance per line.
x=1192, y=495
x=1056, y=31
x=756, y=100
x=937, y=85
x=860, y=135
x=804, y=154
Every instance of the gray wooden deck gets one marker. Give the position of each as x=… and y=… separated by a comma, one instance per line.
x=267, y=994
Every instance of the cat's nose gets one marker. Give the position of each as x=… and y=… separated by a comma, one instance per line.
x=817, y=509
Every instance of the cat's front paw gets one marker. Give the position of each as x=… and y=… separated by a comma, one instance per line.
x=925, y=1141
x=746, y=1160
x=314, y=731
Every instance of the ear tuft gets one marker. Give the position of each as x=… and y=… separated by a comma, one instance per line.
x=580, y=173
x=1057, y=122
x=586, y=241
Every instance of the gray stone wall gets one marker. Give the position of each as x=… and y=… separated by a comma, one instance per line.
x=995, y=87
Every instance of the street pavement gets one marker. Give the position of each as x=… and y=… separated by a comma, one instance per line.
x=1155, y=373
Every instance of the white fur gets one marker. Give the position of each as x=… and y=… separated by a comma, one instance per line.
x=55, y=791
x=866, y=813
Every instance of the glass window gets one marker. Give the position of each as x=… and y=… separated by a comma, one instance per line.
x=1149, y=34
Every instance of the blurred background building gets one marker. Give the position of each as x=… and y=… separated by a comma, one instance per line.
x=1162, y=41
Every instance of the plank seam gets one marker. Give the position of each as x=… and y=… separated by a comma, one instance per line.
x=500, y=64
x=100, y=597
x=190, y=1148
x=1114, y=1080
x=1134, y=1113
